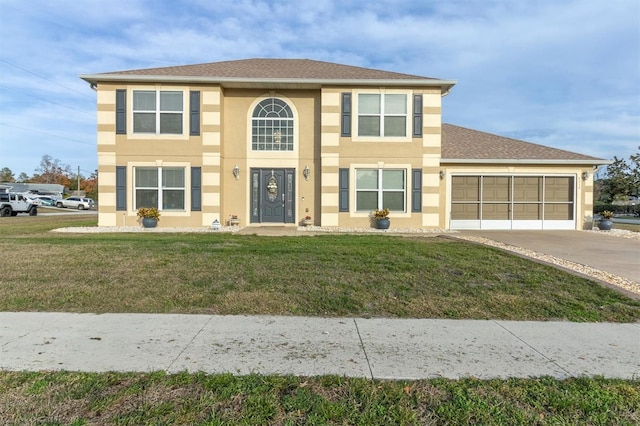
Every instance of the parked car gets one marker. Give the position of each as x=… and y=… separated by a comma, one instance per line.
x=46, y=201
x=79, y=203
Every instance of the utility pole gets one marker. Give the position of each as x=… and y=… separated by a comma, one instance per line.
x=78, y=181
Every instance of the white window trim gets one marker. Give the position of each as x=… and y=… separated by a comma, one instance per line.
x=158, y=136
x=380, y=166
x=273, y=155
x=131, y=187
x=356, y=109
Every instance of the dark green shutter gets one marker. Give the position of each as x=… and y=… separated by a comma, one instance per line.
x=196, y=189
x=417, y=116
x=416, y=190
x=345, y=115
x=121, y=188
x=121, y=112
x=343, y=202
x=194, y=113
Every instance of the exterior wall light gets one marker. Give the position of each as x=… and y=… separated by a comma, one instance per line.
x=585, y=175
x=306, y=172
x=236, y=172
x=442, y=174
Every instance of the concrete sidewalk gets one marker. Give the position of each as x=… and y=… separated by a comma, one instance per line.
x=357, y=347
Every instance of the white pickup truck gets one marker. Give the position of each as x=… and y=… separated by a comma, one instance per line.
x=11, y=204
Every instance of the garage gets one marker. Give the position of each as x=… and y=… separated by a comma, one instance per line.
x=513, y=202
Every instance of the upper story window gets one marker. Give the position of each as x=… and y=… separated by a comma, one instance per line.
x=382, y=115
x=158, y=112
x=272, y=126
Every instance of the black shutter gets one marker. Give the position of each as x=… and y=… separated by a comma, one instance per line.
x=417, y=116
x=343, y=201
x=345, y=115
x=121, y=188
x=196, y=189
x=416, y=190
x=121, y=112
x=194, y=113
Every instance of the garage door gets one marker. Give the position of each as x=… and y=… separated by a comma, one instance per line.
x=512, y=202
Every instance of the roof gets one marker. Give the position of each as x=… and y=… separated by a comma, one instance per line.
x=270, y=72
x=462, y=145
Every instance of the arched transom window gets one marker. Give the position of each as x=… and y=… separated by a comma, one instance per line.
x=272, y=126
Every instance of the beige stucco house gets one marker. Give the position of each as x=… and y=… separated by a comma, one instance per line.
x=272, y=141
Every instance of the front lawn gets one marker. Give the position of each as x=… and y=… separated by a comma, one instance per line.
x=326, y=275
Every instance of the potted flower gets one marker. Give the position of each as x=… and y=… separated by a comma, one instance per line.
x=382, y=218
x=234, y=221
x=307, y=221
x=605, y=223
x=150, y=216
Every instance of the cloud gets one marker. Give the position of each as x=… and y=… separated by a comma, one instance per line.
x=565, y=74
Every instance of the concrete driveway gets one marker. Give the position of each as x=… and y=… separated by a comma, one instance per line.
x=616, y=255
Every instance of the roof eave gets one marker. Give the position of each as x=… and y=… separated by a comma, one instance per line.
x=94, y=79
x=532, y=161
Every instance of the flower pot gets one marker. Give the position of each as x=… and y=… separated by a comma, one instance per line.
x=605, y=224
x=383, y=223
x=149, y=222
x=234, y=222
x=307, y=222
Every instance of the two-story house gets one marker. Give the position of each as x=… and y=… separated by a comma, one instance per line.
x=274, y=140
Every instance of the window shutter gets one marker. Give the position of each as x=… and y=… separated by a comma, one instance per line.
x=417, y=116
x=121, y=112
x=196, y=189
x=416, y=190
x=343, y=203
x=345, y=115
x=194, y=113
x=121, y=188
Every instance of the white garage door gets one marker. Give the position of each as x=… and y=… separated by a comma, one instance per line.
x=512, y=202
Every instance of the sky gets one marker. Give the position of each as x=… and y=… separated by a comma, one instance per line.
x=562, y=73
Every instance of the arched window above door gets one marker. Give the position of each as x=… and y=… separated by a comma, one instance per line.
x=272, y=126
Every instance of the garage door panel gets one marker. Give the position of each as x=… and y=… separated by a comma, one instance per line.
x=558, y=212
x=527, y=211
x=469, y=211
x=495, y=212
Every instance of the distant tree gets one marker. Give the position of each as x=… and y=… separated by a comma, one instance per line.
x=52, y=171
x=6, y=175
x=635, y=173
x=622, y=179
x=23, y=177
x=90, y=185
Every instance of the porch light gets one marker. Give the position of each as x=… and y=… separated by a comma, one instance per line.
x=585, y=175
x=236, y=172
x=306, y=172
x=442, y=174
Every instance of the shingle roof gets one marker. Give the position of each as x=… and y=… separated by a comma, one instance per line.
x=467, y=145
x=273, y=68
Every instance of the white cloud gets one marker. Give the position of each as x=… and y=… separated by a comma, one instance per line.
x=566, y=73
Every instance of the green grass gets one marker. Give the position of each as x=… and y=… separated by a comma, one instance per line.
x=326, y=275
x=63, y=398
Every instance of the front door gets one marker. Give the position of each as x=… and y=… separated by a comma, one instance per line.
x=272, y=196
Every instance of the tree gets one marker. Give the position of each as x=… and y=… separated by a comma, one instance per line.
x=23, y=177
x=622, y=179
x=52, y=171
x=6, y=175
